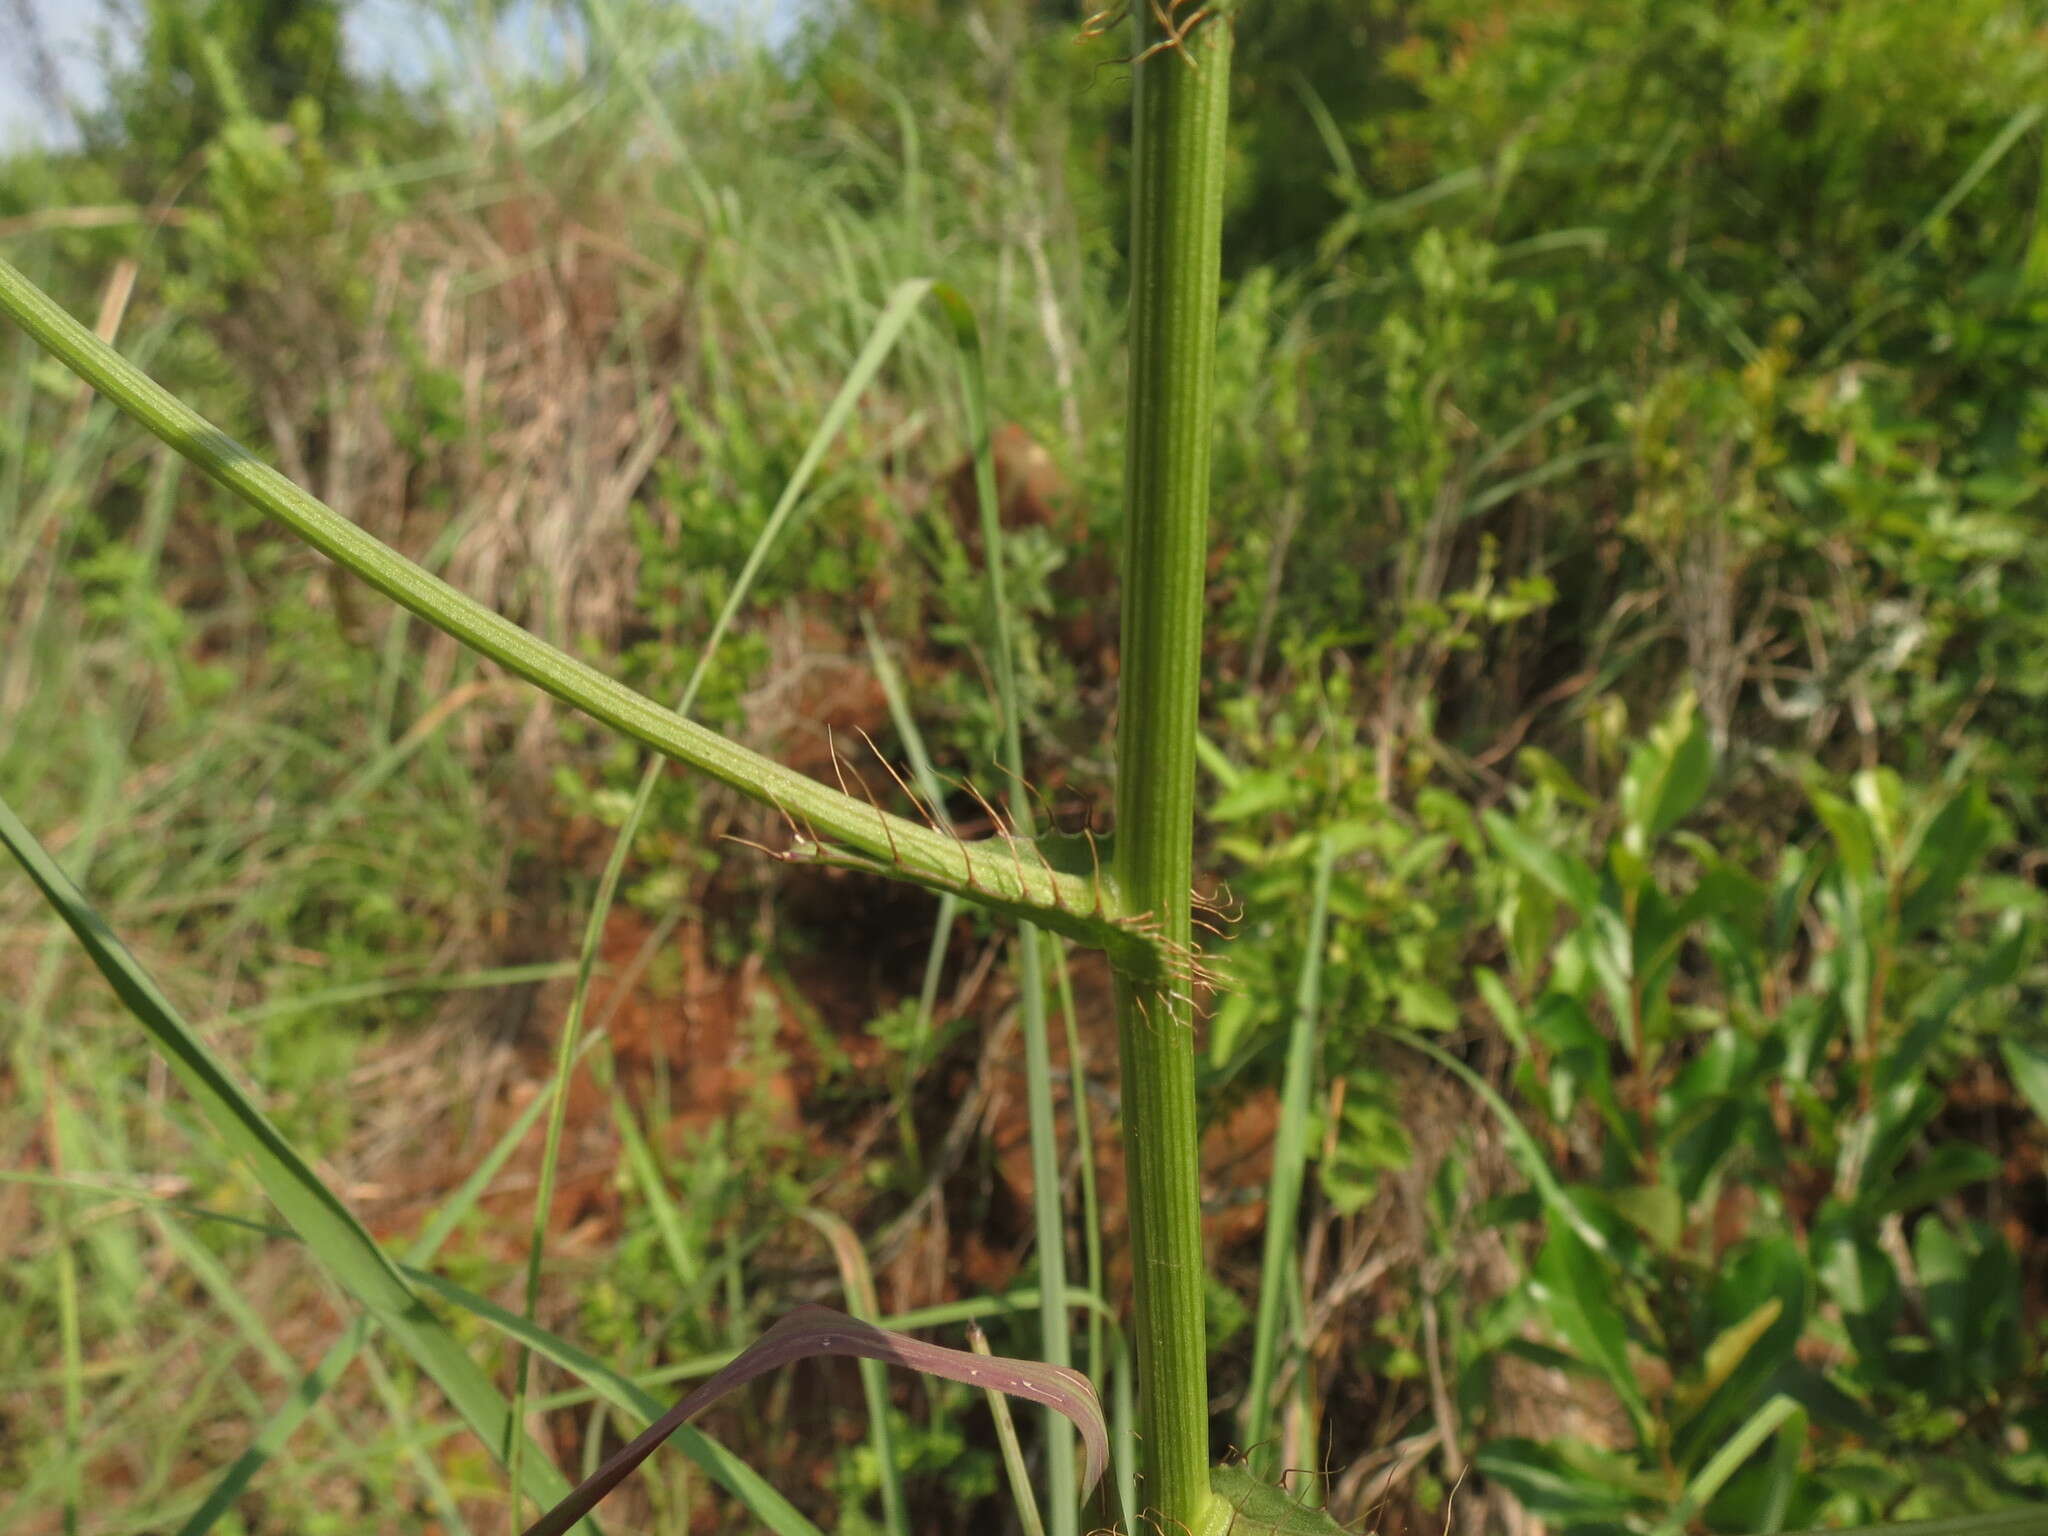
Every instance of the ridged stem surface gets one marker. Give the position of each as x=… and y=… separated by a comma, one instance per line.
x=1181, y=100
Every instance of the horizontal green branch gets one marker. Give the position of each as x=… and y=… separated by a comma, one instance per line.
x=1005, y=873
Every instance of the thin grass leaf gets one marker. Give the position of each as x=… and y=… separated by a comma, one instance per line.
x=1290, y=1156
x=747, y=1485
x=400, y=1413
x=330, y=1230
x=2011, y=133
x=285, y=1418
x=859, y=1282
x=819, y=1331
x=1520, y=1142
x=369, y=991
x=1048, y=1208
x=1084, y=1141
x=2021, y=1520
x=1725, y=1463
x=1013, y=1453
x=895, y=317
x=72, y=1342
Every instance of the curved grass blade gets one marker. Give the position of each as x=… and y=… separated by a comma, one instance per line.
x=1048, y=1209
x=1520, y=1142
x=329, y=1228
x=810, y=1331
x=278, y=1428
x=895, y=317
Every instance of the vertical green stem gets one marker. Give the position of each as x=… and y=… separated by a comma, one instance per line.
x=1181, y=102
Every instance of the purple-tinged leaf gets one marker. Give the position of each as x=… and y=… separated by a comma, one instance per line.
x=812, y=1331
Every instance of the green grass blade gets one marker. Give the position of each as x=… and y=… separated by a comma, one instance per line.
x=2022, y=1520
x=888, y=330
x=1520, y=1142
x=1084, y=1141
x=330, y=1230
x=1013, y=1454
x=400, y=1415
x=859, y=1283
x=2015, y=128
x=279, y=1426
x=72, y=1340
x=1725, y=1463
x=1290, y=1155
x=370, y=991
x=1048, y=1208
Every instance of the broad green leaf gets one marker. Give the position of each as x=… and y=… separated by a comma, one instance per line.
x=1577, y=1294
x=1949, y=849
x=1424, y=1005
x=1254, y=794
x=1547, y=772
x=1248, y=1507
x=1667, y=776
x=1654, y=1210
x=1849, y=831
x=1563, y=875
x=1765, y=1274
x=1855, y=1271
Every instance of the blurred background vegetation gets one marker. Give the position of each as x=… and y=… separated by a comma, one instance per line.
x=1630, y=549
